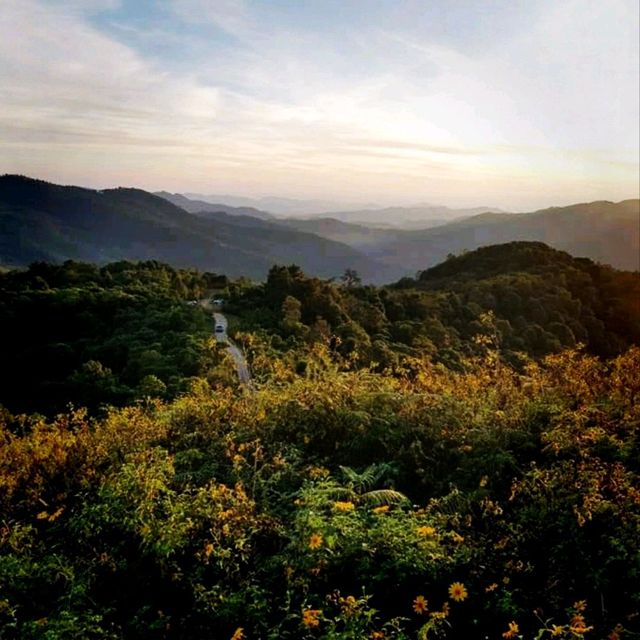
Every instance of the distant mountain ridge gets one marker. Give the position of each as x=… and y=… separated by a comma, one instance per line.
x=419, y=216
x=416, y=217
x=603, y=231
x=201, y=206
x=43, y=221
x=277, y=205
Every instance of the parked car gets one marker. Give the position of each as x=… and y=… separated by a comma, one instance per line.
x=219, y=328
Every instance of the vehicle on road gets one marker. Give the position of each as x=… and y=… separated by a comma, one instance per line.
x=219, y=328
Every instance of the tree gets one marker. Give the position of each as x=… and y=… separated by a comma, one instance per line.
x=291, y=315
x=291, y=309
x=350, y=278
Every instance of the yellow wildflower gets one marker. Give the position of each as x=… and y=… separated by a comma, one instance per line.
x=458, y=592
x=310, y=617
x=344, y=506
x=208, y=549
x=238, y=634
x=580, y=606
x=556, y=630
x=420, y=605
x=492, y=587
x=318, y=472
x=512, y=632
x=578, y=625
x=377, y=635
x=350, y=602
x=315, y=541
x=349, y=606
x=425, y=531
x=381, y=509
x=56, y=514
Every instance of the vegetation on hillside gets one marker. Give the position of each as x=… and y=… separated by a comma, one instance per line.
x=85, y=335
x=523, y=297
x=401, y=469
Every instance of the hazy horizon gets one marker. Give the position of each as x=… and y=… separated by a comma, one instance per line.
x=496, y=104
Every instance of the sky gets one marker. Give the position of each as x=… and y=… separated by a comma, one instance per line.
x=518, y=104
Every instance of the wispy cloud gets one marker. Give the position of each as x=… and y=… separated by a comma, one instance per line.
x=231, y=16
x=273, y=98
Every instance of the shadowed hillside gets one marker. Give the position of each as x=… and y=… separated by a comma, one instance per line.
x=42, y=221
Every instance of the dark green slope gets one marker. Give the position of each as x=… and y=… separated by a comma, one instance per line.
x=42, y=221
x=544, y=299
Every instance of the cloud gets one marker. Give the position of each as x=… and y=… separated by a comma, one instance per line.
x=231, y=16
x=60, y=74
x=227, y=95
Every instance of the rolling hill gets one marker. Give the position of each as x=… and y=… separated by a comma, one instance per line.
x=202, y=207
x=606, y=232
x=421, y=216
x=279, y=206
x=43, y=221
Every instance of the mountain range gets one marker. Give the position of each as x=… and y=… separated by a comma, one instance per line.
x=40, y=221
x=43, y=221
x=203, y=207
x=606, y=232
x=415, y=217
x=278, y=206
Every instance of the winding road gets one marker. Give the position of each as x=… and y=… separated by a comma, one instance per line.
x=241, y=364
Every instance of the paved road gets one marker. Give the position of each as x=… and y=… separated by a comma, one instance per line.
x=241, y=364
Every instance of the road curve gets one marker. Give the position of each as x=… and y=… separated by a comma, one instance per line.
x=242, y=368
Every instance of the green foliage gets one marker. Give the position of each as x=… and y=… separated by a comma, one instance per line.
x=90, y=336
x=541, y=301
x=272, y=511
x=444, y=493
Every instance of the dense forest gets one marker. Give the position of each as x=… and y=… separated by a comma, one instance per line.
x=454, y=456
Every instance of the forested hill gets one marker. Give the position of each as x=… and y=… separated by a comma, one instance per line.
x=524, y=297
x=544, y=296
x=43, y=221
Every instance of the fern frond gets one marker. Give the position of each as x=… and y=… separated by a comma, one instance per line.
x=381, y=497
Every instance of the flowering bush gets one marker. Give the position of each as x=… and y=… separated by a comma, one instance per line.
x=421, y=503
